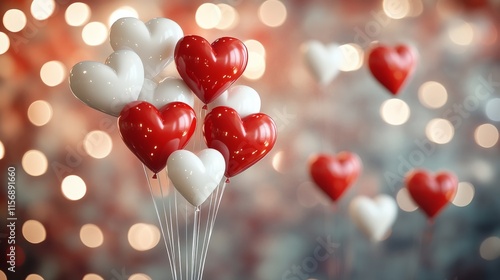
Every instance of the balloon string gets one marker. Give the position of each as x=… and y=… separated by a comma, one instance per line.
x=218, y=200
x=158, y=216
x=425, y=242
x=178, y=235
x=186, y=236
x=169, y=227
x=210, y=209
x=195, y=241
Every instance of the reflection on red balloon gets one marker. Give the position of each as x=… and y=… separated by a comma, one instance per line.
x=431, y=193
x=152, y=134
x=335, y=174
x=210, y=69
x=242, y=142
x=391, y=66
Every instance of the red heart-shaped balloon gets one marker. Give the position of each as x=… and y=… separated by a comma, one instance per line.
x=210, y=69
x=431, y=193
x=242, y=142
x=152, y=134
x=335, y=174
x=391, y=66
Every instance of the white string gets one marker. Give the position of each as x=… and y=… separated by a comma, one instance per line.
x=168, y=229
x=158, y=216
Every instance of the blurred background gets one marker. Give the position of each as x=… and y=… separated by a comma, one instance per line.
x=83, y=207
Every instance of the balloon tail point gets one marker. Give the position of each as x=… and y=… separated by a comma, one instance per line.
x=204, y=107
x=155, y=176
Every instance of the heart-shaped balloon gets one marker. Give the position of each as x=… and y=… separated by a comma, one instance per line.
x=334, y=174
x=241, y=141
x=196, y=176
x=154, y=41
x=152, y=134
x=431, y=193
x=391, y=66
x=210, y=69
x=110, y=86
x=168, y=90
x=373, y=216
x=244, y=99
x=322, y=60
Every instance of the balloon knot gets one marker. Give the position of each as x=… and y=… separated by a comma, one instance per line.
x=204, y=107
x=227, y=181
x=154, y=176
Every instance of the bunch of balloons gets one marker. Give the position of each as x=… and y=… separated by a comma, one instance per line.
x=156, y=120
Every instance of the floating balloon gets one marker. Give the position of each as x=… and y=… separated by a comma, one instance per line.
x=431, y=193
x=196, y=176
x=374, y=217
x=322, y=60
x=168, y=90
x=110, y=86
x=154, y=41
x=335, y=174
x=243, y=99
x=152, y=134
x=391, y=66
x=210, y=69
x=242, y=141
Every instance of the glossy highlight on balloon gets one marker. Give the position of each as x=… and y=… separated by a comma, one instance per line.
x=335, y=174
x=392, y=66
x=431, y=192
x=210, y=69
x=242, y=141
x=152, y=134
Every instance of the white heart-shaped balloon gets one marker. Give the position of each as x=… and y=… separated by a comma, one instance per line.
x=154, y=41
x=196, y=176
x=322, y=60
x=110, y=86
x=168, y=90
x=243, y=99
x=373, y=217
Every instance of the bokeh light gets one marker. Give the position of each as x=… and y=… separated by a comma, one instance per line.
x=396, y=9
x=2, y=275
x=229, y=17
x=493, y=109
x=461, y=33
x=4, y=43
x=404, y=201
x=352, y=57
x=14, y=20
x=77, y=14
x=91, y=236
x=256, y=66
x=255, y=46
x=143, y=237
x=53, y=73
x=97, y=144
x=439, y=131
x=490, y=248
x=277, y=161
x=139, y=276
x=34, y=163
x=73, y=187
x=464, y=195
x=34, y=231
x=432, y=94
x=208, y=15
x=395, y=111
x=34, y=277
x=92, y=276
x=272, y=13
x=2, y=150
x=125, y=11
x=40, y=112
x=94, y=33
x=42, y=9
x=486, y=135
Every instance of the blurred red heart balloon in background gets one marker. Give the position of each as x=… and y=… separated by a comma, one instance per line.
x=335, y=174
x=431, y=193
x=391, y=66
